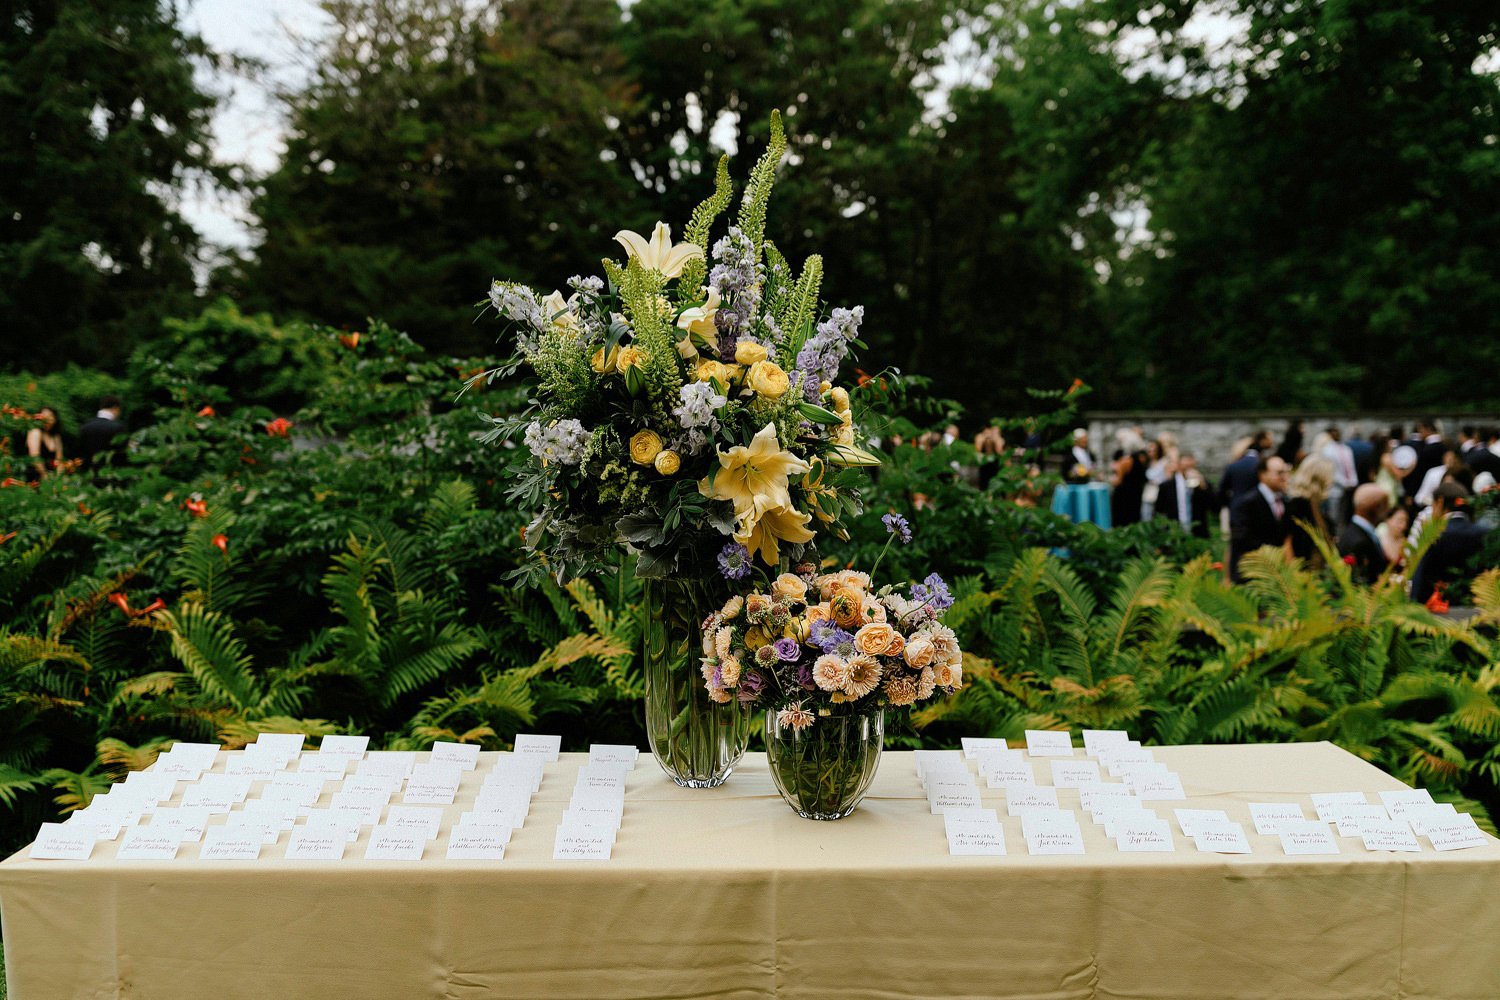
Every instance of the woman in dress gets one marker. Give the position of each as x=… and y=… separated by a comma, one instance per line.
x=44, y=446
x=1304, y=506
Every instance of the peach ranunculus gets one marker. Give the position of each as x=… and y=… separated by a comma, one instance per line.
x=791, y=587
x=949, y=673
x=845, y=579
x=874, y=639
x=897, y=646
x=847, y=609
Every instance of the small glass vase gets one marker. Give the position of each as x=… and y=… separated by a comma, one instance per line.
x=823, y=771
x=695, y=739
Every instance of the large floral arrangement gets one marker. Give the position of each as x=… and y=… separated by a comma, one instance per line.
x=822, y=645
x=685, y=404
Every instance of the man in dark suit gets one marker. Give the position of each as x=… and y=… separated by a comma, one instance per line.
x=1242, y=475
x=98, y=435
x=1429, y=455
x=1258, y=517
x=1185, y=498
x=1358, y=539
x=1461, y=541
x=1480, y=458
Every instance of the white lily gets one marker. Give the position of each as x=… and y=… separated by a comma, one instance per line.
x=659, y=254
x=560, y=312
x=699, y=324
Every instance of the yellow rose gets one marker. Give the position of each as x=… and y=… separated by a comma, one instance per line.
x=874, y=638
x=644, y=448
x=667, y=462
x=629, y=357
x=839, y=396
x=602, y=364
x=791, y=587
x=817, y=613
x=768, y=380
x=847, y=609
x=748, y=352
x=711, y=370
x=756, y=638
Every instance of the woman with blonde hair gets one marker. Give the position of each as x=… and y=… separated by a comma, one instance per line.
x=1304, y=506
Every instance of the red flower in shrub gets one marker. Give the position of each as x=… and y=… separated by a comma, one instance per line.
x=1349, y=560
x=10, y=481
x=349, y=340
x=279, y=427
x=1217, y=566
x=207, y=411
x=198, y=508
x=156, y=605
x=118, y=600
x=1436, y=603
x=7, y=537
x=222, y=541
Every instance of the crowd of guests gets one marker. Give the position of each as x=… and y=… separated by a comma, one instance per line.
x=1369, y=498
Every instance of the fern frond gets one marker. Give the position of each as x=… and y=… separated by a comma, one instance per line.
x=205, y=643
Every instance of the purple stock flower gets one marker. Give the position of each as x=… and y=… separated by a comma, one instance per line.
x=786, y=649
x=805, y=678
x=734, y=561
x=895, y=524
x=751, y=685
x=933, y=592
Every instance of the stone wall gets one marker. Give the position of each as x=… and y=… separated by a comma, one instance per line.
x=1210, y=435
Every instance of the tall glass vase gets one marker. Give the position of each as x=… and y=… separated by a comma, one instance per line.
x=696, y=740
x=823, y=771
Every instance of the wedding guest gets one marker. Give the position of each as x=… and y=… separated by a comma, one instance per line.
x=1449, y=464
x=1241, y=475
x=1258, y=517
x=1079, y=462
x=1481, y=458
x=1460, y=541
x=1403, y=460
x=97, y=435
x=1430, y=450
x=1359, y=538
x=1306, y=508
x=1290, y=451
x=1161, y=455
x=1128, y=477
x=44, y=445
x=1184, y=497
x=1392, y=534
x=1364, y=453
x=1345, y=478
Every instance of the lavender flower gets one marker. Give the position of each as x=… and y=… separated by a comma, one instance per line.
x=933, y=592
x=786, y=649
x=838, y=642
x=820, y=357
x=738, y=276
x=696, y=415
x=751, y=685
x=520, y=305
x=734, y=561
x=895, y=524
x=561, y=442
x=805, y=678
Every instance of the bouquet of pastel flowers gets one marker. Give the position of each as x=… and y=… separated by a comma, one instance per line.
x=827, y=645
x=685, y=404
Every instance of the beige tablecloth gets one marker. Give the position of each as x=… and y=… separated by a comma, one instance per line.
x=726, y=893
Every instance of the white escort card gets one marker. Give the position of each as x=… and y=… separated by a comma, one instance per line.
x=925, y=757
x=543, y=747
x=1114, y=819
x=513, y=818
x=1020, y=799
x=1270, y=817
x=583, y=843
x=429, y=792
x=974, y=832
x=1102, y=799
x=373, y=784
x=1095, y=741
x=186, y=822
x=1307, y=837
x=465, y=755
x=942, y=796
x=974, y=744
x=332, y=765
x=215, y=800
x=156, y=787
x=1048, y=743
x=502, y=799
x=1136, y=833
x=147, y=843
x=397, y=762
x=1455, y=834
x=1161, y=788
x=944, y=770
x=280, y=743
x=597, y=805
x=1438, y=812
x=516, y=770
x=1220, y=837
x=477, y=843
x=389, y=843
x=63, y=842
x=1402, y=801
x=342, y=823
x=260, y=767
x=1187, y=818
x=613, y=753
x=601, y=777
x=317, y=843
x=989, y=758
x=423, y=819
x=1075, y=773
x=1388, y=835
x=226, y=843
x=264, y=828
x=100, y=827
x=368, y=806
x=345, y=746
x=1053, y=832
x=1004, y=775
x=1350, y=817
x=1323, y=800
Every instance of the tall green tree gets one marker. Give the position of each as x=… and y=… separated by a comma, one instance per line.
x=104, y=125
x=1324, y=202
x=437, y=146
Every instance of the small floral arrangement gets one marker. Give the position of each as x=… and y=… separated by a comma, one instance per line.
x=823, y=645
x=685, y=405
